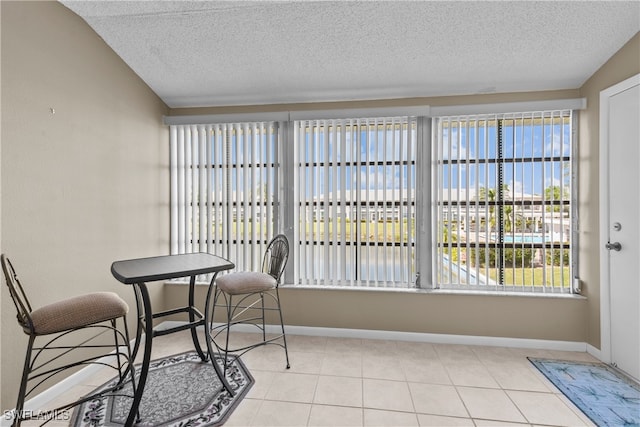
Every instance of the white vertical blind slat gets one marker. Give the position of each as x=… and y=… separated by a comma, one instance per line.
x=334, y=217
x=307, y=137
x=314, y=267
x=401, y=173
x=188, y=155
x=344, y=207
x=254, y=195
x=298, y=218
x=383, y=128
x=225, y=187
x=242, y=173
x=202, y=190
x=181, y=191
x=303, y=210
x=208, y=191
x=467, y=150
x=173, y=161
x=326, y=196
x=194, y=229
x=450, y=198
x=266, y=178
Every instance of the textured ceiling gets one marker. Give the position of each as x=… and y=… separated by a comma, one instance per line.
x=210, y=53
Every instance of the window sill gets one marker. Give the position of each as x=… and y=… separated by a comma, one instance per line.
x=435, y=291
x=183, y=282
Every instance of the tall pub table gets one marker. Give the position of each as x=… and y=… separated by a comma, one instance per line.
x=137, y=272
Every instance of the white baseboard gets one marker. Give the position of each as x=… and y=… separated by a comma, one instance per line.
x=438, y=338
x=42, y=399
x=415, y=336
x=596, y=352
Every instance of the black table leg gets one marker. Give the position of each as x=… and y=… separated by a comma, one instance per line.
x=192, y=318
x=146, y=358
x=140, y=318
x=208, y=339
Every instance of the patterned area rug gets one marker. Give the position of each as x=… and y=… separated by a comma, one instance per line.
x=606, y=396
x=181, y=390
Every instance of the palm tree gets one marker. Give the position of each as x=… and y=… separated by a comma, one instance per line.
x=490, y=195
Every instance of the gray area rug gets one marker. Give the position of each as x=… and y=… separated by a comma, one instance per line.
x=181, y=390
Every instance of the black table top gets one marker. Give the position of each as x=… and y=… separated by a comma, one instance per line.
x=168, y=267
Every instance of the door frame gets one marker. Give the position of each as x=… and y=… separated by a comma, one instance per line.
x=605, y=289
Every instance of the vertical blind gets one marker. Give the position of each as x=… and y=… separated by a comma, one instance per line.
x=495, y=198
x=504, y=202
x=355, y=184
x=224, y=181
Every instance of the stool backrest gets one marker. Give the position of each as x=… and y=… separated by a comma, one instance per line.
x=275, y=257
x=18, y=295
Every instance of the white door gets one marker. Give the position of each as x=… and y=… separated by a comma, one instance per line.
x=620, y=227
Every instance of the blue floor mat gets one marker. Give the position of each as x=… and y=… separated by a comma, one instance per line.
x=606, y=396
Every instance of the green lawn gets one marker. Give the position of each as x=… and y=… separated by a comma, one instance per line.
x=373, y=231
x=392, y=231
x=534, y=276
x=369, y=231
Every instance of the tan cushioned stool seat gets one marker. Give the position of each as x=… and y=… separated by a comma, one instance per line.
x=78, y=311
x=245, y=282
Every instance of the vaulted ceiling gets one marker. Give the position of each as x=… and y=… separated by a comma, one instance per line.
x=211, y=53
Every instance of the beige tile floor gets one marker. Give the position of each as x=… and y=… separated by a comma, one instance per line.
x=360, y=382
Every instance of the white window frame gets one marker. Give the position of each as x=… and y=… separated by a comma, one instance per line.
x=355, y=153
x=461, y=207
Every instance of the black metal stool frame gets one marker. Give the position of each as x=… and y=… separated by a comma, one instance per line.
x=249, y=303
x=41, y=371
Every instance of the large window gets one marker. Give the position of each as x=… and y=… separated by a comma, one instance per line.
x=351, y=183
x=355, y=188
x=225, y=181
x=479, y=202
x=504, y=213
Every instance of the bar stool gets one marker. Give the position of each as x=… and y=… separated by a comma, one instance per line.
x=247, y=296
x=54, y=324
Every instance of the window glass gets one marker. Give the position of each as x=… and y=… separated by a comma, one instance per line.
x=504, y=212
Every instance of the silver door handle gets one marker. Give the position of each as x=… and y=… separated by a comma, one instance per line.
x=615, y=246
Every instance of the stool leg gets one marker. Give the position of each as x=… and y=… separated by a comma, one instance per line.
x=229, y=320
x=116, y=343
x=130, y=361
x=284, y=337
x=264, y=327
x=17, y=420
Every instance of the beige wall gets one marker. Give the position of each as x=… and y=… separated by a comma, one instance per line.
x=1, y=406
x=84, y=186
x=624, y=64
x=561, y=319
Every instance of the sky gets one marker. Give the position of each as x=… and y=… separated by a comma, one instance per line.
x=524, y=147
x=534, y=157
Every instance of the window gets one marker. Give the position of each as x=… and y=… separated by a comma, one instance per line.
x=355, y=185
x=388, y=199
x=224, y=180
x=503, y=200
x=352, y=183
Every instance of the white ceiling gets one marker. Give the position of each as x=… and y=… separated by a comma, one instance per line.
x=211, y=53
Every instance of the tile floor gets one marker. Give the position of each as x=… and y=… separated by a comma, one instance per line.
x=360, y=382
